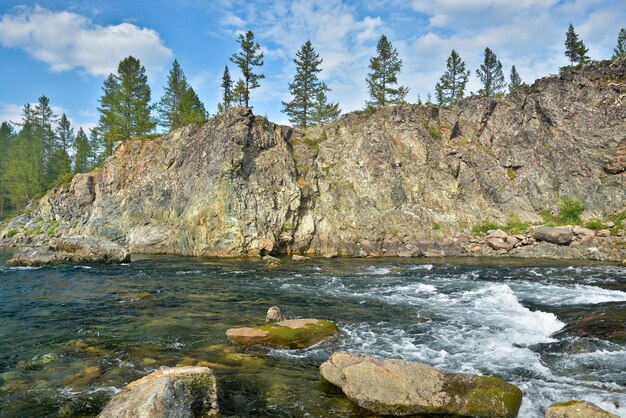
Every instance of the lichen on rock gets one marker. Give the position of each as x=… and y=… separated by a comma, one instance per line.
x=291, y=333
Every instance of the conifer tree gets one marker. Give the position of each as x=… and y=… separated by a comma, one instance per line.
x=239, y=95
x=516, y=80
x=620, y=49
x=60, y=166
x=384, y=68
x=451, y=86
x=575, y=48
x=227, y=91
x=125, y=104
x=307, y=91
x=179, y=104
x=43, y=142
x=491, y=75
x=81, y=152
x=97, y=148
x=246, y=60
x=7, y=135
x=191, y=108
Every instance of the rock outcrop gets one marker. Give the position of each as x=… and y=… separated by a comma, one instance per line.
x=290, y=333
x=182, y=392
x=399, y=387
x=407, y=180
x=577, y=409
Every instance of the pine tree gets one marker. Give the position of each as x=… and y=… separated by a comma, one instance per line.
x=246, y=60
x=97, y=148
x=125, y=104
x=575, y=48
x=239, y=95
x=490, y=75
x=451, y=86
x=385, y=67
x=620, y=49
x=81, y=152
x=191, y=109
x=516, y=80
x=43, y=143
x=322, y=111
x=7, y=135
x=169, y=105
x=307, y=91
x=227, y=91
x=60, y=166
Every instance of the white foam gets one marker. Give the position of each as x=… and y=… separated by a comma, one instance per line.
x=549, y=294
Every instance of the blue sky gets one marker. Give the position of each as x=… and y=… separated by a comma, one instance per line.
x=65, y=49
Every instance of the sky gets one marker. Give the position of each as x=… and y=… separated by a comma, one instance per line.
x=65, y=49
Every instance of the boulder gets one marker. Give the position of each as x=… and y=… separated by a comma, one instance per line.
x=274, y=315
x=499, y=244
x=554, y=235
x=291, y=333
x=68, y=250
x=297, y=257
x=577, y=409
x=583, y=232
x=178, y=392
x=399, y=387
x=497, y=233
x=603, y=233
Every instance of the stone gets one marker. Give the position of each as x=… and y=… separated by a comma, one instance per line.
x=274, y=315
x=331, y=254
x=498, y=233
x=498, y=244
x=400, y=387
x=269, y=259
x=603, y=233
x=296, y=257
x=554, y=235
x=71, y=250
x=177, y=392
x=583, y=232
x=587, y=240
x=291, y=333
x=577, y=409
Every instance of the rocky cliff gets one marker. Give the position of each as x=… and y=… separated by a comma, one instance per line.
x=406, y=180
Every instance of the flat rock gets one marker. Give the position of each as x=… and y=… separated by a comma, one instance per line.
x=69, y=250
x=577, y=409
x=399, y=387
x=297, y=257
x=178, y=392
x=291, y=333
x=554, y=235
x=499, y=244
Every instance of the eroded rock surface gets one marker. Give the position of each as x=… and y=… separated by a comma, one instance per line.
x=399, y=387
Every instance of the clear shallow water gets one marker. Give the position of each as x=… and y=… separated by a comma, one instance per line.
x=71, y=336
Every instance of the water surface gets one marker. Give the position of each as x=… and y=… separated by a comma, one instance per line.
x=72, y=336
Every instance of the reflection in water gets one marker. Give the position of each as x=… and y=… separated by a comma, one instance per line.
x=72, y=336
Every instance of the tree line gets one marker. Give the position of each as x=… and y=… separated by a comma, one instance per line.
x=43, y=150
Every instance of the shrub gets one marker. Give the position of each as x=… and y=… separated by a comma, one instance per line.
x=570, y=210
x=515, y=226
x=436, y=226
x=11, y=233
x=595, y=224
x=484, y=227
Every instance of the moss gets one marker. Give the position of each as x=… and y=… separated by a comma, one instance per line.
x=485, y=396
x=285, y=337
x=436, y=226
x=511, y=172
x=52, y=227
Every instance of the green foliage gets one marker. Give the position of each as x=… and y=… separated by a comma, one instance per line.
x=511, y=173
x=484, y=227
x=451, y=86
x=618, y=218
x=515, y=80
x=309, y=103
x=436, y=226
x=227, y=91
x=52, y=228
x=434, y=132
x=513, y=226
x=570, y=210
x=180, y=104
x=620, y=49
x=384, y=70
x=491, y=75
x=595, y=224
x=11, y=233
x=575, y=48
x=246, y=60
x=125, y=104
x=239, y=95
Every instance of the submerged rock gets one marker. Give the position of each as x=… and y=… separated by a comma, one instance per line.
x=399, y=387
x=555, y=235
x=291, y=333
x=577, y=409
x=71, y=250
x=169, y=393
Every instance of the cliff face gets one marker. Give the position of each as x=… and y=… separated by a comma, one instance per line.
x=405, y=180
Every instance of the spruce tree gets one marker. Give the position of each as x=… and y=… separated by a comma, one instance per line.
x=191, y=109
x=97, y=148
x=246, y=60
x=384, y=68
x=516, y=80
x=239, y=95
x=227, y=91
x=7, y=135
x=620, y=49
x=491, y=75
x=307, y=91
x=43, y=142
x=169, y=105
x=125, y=104
x=575, y=48
x=322, y=111
x=60, y=166
x=451, y=86
x=81, y=152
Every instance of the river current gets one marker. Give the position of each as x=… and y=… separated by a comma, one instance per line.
x=73, y=336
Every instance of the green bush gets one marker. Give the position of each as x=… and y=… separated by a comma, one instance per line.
x=11, y=233
x=595, y=224
x=515, y=226
x=570, y=210
x=484, y=227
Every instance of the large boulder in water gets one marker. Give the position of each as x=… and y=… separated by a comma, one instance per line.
x=68, y=250
x=291, y=333
x=577, y=409
x=179, y=392
x=399, y=387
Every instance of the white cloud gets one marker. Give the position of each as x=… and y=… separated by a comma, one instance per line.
x=66, y=41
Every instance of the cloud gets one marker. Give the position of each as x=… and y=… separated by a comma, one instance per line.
x=66, y=41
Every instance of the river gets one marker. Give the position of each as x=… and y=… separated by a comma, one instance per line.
x=72, y=336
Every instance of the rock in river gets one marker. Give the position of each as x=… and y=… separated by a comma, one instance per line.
x=71, y=250
x=178, y=392
x=399, y=387
x=292, y=333
x=577, y=409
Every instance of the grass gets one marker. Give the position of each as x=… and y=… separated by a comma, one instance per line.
x=436, y=226
x=513, y=226
x=595, y=224
x=570, y=209
x=11, y=233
